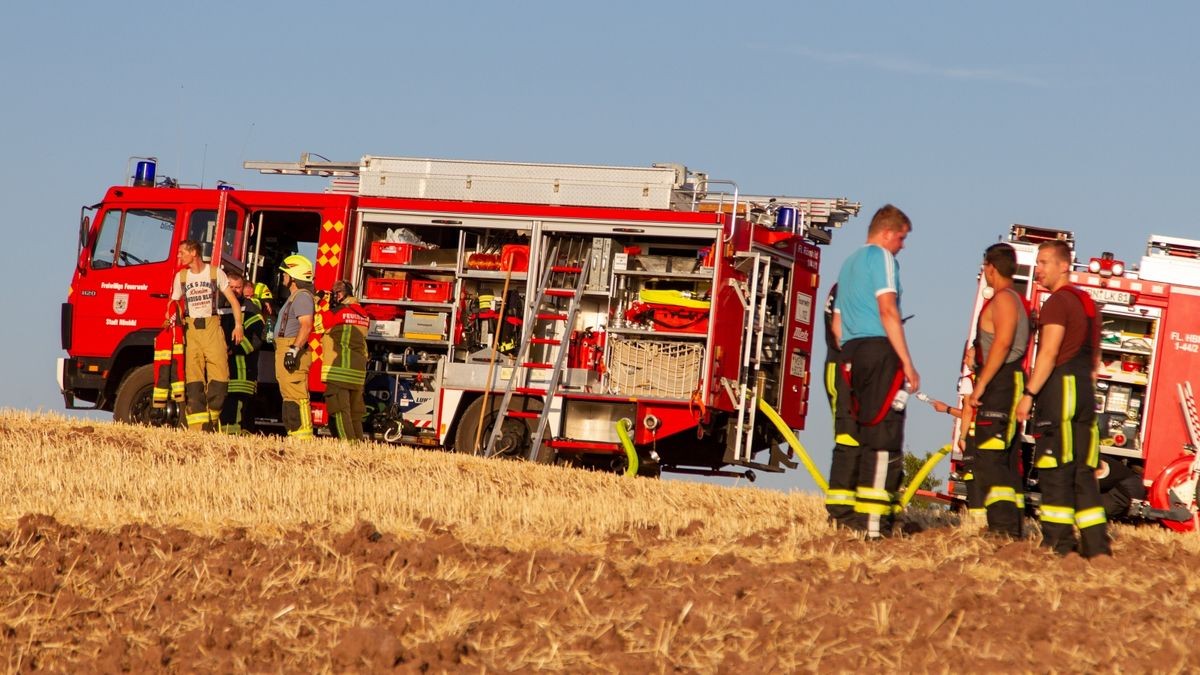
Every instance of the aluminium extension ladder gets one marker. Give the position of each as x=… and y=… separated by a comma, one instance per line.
x=558, y=281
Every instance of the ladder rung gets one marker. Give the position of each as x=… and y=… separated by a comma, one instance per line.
x=546, y=341
x=537, y=364
x=546, y=316
x=560, y=292
x=524, y=414
x=535, y=391
x=568, y=269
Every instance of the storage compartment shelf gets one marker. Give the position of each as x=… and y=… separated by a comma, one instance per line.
x=412, y=341
x=408, y=303
x=1123, y=350
x=483, y=274
x=665, y=275
x=419, y=269
x=1125, y=378
x=658, y=333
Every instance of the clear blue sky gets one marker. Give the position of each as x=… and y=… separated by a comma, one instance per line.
x=968, y=116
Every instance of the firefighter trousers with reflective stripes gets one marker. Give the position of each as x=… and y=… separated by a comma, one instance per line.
x=997, y=480
x=868, y=376
x=206, y=371
x=293, y=388
x=346, y=408
x=237, y=416
x=1066, y=454
x=843, y=475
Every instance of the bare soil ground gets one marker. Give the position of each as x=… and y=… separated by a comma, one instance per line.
x=470, y=573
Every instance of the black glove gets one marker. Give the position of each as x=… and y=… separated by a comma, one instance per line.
x=291, y=360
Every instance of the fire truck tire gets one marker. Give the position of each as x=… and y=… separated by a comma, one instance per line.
x=1176, y=475
x=515, y=436
x=134, y=399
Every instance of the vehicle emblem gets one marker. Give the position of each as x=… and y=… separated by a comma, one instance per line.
x=120, y=302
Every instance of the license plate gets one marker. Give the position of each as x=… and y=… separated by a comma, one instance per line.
x=1107, y=296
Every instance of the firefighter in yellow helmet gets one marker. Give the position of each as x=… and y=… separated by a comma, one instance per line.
x=292, y=355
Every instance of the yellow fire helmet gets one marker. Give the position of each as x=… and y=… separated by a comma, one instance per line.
x=262, y=292
x=298, y=267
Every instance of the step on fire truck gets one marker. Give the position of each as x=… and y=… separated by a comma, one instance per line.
x=1150, y=358
x=612, y=317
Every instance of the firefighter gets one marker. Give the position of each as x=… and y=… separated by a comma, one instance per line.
x=1001, y=338
x=874, y=365
x=839, y=499
x=1066, y=452
x=344, y=360
x=1121, y=490
x=293, y=358
x=206, y=371
x=237, y=415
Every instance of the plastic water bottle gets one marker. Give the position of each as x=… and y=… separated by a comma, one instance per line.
x=901, y=400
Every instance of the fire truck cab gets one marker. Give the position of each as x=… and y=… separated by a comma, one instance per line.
x=620, y=317
x=1150, y=356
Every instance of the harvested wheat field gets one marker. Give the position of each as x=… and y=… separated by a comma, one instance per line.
x=125, y=548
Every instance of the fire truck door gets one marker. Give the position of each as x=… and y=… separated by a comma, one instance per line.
x=798, y=335
x=125, y=279
x=230, y=231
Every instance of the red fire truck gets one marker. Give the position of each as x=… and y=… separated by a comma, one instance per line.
x=616, y=317
x=1150, y=356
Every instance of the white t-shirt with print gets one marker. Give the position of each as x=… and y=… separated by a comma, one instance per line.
x=199, y=291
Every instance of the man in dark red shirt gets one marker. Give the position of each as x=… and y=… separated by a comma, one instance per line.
x=1066, y=451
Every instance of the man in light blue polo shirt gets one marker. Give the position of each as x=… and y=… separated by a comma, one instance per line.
x=874, y=365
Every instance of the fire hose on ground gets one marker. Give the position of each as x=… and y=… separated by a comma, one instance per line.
x=631, y=458
x=795, y=443
x=790, y=437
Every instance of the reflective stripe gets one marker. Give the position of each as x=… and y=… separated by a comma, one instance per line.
x=873, y=493
x=846, y=439
x=994, y=444
x=1093, y=459
x=198, y=418
x=1063, y=515
x=840, y=497
x=1068, y=413
x=873, y=509
x=1018, y=394
x=242, y=387
x=1000, y=494
x=1046, y=462
x=977, y=512
x=1021, y=500
x=162, y=354
x=831, y=390
x=1090, y=517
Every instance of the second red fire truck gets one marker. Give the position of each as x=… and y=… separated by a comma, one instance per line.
x=629, y=318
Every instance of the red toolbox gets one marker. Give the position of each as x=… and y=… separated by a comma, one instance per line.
x=426, y=290
x=391, y=252
x=386, y=289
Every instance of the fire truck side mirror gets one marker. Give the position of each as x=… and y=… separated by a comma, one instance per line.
x=83, y=233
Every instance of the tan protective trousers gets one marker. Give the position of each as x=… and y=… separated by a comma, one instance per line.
x=206, y=371
x=293, y=388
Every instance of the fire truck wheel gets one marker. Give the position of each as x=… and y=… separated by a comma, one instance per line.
x=515, y=433
x=134, y=399
x=1174, y=484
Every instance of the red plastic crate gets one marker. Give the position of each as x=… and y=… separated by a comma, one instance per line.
x=390, y=252
x=386, y=289
x=425, y=290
